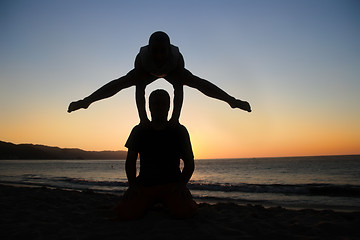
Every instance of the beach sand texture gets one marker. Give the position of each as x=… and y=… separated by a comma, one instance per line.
x=41, y=213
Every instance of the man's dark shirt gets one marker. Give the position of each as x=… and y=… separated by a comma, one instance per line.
x=160, y=153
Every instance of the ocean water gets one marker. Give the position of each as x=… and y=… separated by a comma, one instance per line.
x=326, y=182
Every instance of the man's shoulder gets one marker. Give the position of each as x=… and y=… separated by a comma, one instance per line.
x=174, y=49
x=142, y=56
x=144, y=49
x=181, y=128
x=138, y=128
x=138, y=132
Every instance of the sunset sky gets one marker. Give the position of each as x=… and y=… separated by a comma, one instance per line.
x=296, y=62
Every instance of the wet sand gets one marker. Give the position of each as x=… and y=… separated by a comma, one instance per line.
x=41, y=213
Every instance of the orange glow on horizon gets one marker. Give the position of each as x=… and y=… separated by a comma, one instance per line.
x=222, y=137
x=216, y=132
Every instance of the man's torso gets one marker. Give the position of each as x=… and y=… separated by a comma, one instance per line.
x=160, y=152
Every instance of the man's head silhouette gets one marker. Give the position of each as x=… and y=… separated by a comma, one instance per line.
x=159, y=46
x=159, y=104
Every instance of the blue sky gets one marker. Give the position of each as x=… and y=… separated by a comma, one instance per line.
x=296, y=62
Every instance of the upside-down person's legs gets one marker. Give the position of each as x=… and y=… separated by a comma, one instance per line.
x=211, y=90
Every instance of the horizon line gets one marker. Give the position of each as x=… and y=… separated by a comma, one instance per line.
x=216, y=158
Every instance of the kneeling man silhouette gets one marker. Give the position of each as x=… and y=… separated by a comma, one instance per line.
x=161, y=145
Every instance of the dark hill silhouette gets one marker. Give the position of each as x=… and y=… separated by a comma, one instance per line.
x=29, y=151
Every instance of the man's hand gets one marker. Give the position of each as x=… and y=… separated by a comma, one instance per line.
x=77, y=105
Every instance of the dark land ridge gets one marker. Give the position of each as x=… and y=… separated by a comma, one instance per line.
x=10, y=151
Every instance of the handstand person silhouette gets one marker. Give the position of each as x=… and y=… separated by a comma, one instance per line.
x=159, y=59
x=161, y=145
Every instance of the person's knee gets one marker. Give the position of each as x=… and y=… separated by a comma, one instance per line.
x=132, y=206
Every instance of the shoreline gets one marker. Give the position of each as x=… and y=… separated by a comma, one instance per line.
x=38, y=213
x=207, y=200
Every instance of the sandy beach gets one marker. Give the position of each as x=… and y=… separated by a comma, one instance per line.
x=42, y=213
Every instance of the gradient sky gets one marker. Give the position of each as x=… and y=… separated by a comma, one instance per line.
x=296, y=62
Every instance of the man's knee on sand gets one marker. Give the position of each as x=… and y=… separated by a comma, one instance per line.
x=135, y=205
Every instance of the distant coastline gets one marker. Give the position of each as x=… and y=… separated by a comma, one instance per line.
x=11, y=151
